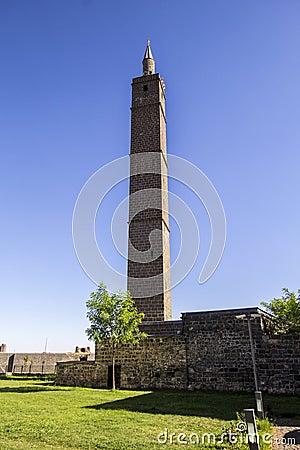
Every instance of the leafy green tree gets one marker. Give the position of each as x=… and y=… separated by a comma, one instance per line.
x=114, y=319
x=286, y=311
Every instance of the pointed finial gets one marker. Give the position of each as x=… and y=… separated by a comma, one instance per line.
x=148, y=61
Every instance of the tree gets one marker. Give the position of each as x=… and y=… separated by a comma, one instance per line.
x=114, y=319
x=286, y=311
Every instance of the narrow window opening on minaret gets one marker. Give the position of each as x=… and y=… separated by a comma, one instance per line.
x=145, y=87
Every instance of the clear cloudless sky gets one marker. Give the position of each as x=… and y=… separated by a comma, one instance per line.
x=232, y=71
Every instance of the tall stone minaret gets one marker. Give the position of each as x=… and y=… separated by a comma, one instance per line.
x=148, y=243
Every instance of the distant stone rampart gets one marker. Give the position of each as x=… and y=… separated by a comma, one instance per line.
x=26, y=363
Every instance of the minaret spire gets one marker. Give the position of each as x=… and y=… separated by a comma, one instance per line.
x=148, y=61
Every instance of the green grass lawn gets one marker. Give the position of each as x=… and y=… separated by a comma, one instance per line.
x=36, y=414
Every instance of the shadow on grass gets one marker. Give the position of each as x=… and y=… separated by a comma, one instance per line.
x=45, y=377
x=283, y=409
x=198, y=403
x=29, y=389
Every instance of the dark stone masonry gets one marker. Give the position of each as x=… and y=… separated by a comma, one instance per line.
x=204, y=350
x=148, y=177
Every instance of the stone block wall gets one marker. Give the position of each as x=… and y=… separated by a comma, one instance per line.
x=158, y=362
x=82, y=373
x=34, y=362
x=218, y=351
x=206, y=350
x=167, y=328
x=3, y=362
x=278, y=363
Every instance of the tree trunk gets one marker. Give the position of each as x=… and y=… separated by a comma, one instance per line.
x=113, y=366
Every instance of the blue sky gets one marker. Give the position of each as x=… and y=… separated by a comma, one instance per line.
x=232, y=73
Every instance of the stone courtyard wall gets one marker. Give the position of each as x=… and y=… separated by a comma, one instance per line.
x=158, y=362
x=278, y=363
x=81, y=373
x=206, y=350
x=218, y=351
